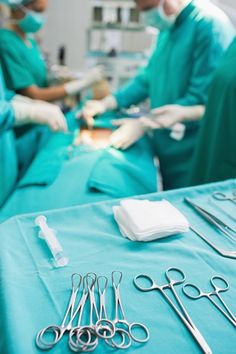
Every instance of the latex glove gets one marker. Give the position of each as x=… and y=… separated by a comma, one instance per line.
x=130, y=131
x=21, y=98
x=60, y=73
x=95, y=75
x=39, y=112
x=93, y=108
x=166, y=116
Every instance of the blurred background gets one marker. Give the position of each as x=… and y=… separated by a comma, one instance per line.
x=102, y=31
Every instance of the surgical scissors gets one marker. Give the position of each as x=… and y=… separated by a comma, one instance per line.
x=122, y=326
x=224, y=197
x=197, y=294
x=172, y=282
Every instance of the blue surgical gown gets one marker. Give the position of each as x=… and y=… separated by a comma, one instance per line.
x=8, y=155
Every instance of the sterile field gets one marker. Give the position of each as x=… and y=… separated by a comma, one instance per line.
x=117, y=176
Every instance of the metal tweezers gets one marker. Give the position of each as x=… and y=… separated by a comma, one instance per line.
x=219, y=224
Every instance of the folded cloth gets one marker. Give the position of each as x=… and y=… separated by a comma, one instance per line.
x=123, y=174
x=142, y=220
x=47, y=165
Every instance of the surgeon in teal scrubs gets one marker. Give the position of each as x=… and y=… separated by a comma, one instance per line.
x=18, y=111
x=22, y=60
x=193, y=37
x=8, y=157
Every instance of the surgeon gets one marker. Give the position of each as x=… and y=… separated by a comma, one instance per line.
x=18, y=112
x=215, y=156
x=193, y=37
x=214, y=159
x=22, y=62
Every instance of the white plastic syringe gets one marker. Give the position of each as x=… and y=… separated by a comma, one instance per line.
x=50, y=237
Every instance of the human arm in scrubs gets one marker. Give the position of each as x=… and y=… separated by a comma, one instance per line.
x=25, y=70
x=169, y=115
x=209, y=45
x=26, y=73
x=207, y=50
x=138, y=89
x=8, y=157
x=197, y=56
x=215, y=158
x=7, y=118
x=17, y=113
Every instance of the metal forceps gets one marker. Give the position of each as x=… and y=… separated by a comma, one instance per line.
x=84, y=338
x=71, y=148
x=76, y=345
x=212, y=219
x=193, y=292
x=55, y=331
x=224, y=197
x=122, y=327
x=184, y=316
x=221, y=251
x=104, y=328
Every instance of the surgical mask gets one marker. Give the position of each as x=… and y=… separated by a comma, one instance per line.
x=32, y=22
x=157, y=18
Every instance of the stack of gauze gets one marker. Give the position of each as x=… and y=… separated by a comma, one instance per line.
x=143, y=220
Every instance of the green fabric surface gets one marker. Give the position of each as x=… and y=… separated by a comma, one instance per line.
x=8, y=155
x=53, y=152
x=23, y=65
x=8, y=165
x=29, y=145
x=122, y=174
x=215, y=157
x=175, y=156
x=47, y=165
x=57, y=179
x=34, y=294
x=179, y=72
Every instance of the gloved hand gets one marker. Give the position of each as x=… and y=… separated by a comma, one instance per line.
x=95, y=75
x=38, y=112
x=21, y=98
x=166, y=116
x=60, y=73
x=130, y=131
x=93, y=108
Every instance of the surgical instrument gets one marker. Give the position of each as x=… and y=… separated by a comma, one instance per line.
x=213, y=203
x=197, y=293
x=71, y=148
x=120, y=320
x=58, y=332
x=77, y=334
x=84, y=336
x=103, y=322
x=178, y=279
x=224, y=197
x=103, y=328
x=222, y=252
x=212, y=219
x=49, y=235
